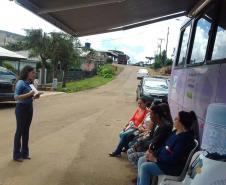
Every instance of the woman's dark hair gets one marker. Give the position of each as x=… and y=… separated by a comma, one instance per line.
x=156, y=109
x=166, y=112
x=148, y=105
x=24, y=72
x=143, y=100
x=156, y=102
x=190, y=122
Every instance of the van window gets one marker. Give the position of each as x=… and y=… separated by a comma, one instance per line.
x=200, y=41
x=219, y=50
x=184, y=46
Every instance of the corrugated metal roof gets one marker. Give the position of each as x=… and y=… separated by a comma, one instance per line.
x=87, y=17
x=6, y=54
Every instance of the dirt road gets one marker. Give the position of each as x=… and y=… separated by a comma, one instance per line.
x=71, y=136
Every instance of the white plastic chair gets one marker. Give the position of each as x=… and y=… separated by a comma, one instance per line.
x=162, y=179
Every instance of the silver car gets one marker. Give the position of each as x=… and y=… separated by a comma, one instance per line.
x=153, y=89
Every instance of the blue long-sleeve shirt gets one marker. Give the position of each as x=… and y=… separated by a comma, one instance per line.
x=172, y=157
x=22, y=87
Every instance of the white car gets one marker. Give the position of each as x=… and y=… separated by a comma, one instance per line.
x=142, y=73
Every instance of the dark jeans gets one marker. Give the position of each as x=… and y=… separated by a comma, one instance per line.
x=24, y=113
x=123, y=142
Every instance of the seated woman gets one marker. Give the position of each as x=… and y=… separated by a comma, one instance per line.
x=127, y=133
x=143, y=129
x=171, y=158
x=146, y=128
x=160, y=115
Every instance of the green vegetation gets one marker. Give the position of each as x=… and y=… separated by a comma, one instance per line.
x=54, y=49
x=18, y=46
x=60, y=53
x=161, y=60
x=109, y=61
x=106, y=71
x=8, y=66
x=106, y=74
x=85, y=84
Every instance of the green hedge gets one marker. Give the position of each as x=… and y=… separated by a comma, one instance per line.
x=106, y=71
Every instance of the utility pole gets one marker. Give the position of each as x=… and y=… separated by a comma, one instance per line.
x=160, y=45
x=167, y=37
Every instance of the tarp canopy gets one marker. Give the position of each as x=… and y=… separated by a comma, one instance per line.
x=9, y=55
x=87, y=17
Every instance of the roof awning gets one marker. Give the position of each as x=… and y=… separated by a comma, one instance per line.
x=9, y=55
x=87, y=17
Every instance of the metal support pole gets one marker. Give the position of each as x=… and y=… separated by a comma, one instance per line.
x=167, y=37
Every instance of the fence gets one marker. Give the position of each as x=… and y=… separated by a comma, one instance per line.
x=79, y=75
x=70, y=76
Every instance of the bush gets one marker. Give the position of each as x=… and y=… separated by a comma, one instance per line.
x=109, y=61
x=107, y=71
x=108, y=76
x=169, y=62
x=9, y=67
x=157, y=65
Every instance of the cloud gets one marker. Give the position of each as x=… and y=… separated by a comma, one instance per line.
x=220, y=45
x=140, y=42
x=137, y=43
x=14, y=18
x=201, y=41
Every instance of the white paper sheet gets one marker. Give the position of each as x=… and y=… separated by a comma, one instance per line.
x=34, y=89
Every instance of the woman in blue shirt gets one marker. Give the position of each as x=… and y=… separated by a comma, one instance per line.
x=24, y=96
x=171, y=158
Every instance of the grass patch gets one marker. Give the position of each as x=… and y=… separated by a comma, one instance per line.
x=88, y=83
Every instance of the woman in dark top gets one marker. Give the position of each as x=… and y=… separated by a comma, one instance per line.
x=160, y=115
x=171, y=158
x=24, y=96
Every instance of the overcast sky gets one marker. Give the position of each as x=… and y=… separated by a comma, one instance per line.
x=138, y=43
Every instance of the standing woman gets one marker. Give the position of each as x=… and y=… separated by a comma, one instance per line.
x=24, y=96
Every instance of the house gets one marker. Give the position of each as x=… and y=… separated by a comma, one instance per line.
x=18, y=60
x=8, y=37
x=121, y=58
x=91, y=59
x=32, y=61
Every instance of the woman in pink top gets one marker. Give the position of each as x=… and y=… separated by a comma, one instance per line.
x=128, y=132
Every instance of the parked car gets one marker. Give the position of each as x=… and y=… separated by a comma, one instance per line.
x=142, y=73
x=153, y=89
x=7, y=85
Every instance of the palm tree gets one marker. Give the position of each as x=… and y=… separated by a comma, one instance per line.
x=39, y=44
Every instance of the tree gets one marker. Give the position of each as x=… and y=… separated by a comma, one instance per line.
x=161, y=60
x=64, y=51
x=18, y=46
x=39, y=44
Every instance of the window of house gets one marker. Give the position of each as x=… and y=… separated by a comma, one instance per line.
x=219, y=50
x=200, y=41
x=184, y=46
